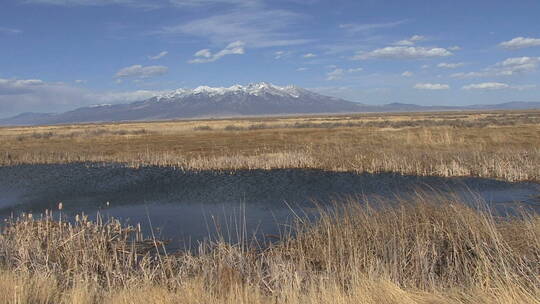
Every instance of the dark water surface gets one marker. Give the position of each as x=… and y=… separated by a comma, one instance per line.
x=189, y=206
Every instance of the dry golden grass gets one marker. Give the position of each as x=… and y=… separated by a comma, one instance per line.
x=504, y=145
x=426, y=250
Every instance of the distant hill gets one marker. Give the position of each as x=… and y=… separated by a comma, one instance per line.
x=250, y=100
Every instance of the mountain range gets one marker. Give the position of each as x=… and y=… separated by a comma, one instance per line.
x=250, y=100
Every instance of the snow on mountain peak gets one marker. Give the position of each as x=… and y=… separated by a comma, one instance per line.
x=255, y=89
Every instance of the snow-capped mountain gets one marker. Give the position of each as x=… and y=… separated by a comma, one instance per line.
x=249, y=100
x=254, y=89
x=252, y=99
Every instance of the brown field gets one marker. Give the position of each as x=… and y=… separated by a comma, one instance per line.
x=429, y=249
x=504, y=145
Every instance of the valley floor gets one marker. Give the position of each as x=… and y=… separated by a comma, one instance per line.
x=424, y=248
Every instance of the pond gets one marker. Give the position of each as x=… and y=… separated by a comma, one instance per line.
x=190, y=206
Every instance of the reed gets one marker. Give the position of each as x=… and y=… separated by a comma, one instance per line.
x=426, y=249
x=501, y=145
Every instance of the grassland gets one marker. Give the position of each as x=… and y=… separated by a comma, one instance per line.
x=504, y=145
x=427, y=249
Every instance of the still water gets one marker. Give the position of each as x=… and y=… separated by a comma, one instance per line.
x=187, y=206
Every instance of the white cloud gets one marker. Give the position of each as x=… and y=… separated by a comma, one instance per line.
x=36, y=95
x=454, y=65
x=354, y=70
x=498, y=86
x=335, y=74
x=486, y=86
x=122, y=97
x=514, y=65
x=520, y=42
x=407, y=74
x=16, y=86
x=410, y=41
x=10, y=31
x=464, y=75
x=131, y=3
x=431, y=86
x=524, y=87
x=359, y=28
x=184, y=3
x=256, y=25
x=80, y=81
x=301, y=69
x=205, y=55
x=146, y=4
x=508, y=67
x=139, y=71
x=454, y=48
x=280, y=54
x=404, y=52
x=309, y=55
x=339, y=73
x=158, y=56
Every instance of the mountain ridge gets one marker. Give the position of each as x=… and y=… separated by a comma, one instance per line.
x=254, y=99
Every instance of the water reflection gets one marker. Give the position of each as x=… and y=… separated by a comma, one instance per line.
x=189, y=206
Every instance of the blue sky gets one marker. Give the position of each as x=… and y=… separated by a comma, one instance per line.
x=57, y=55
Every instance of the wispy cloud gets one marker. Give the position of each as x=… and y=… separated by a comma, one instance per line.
x=18, y=86
x=354, y=70
x=431, y=86
x=256, y=26
x=508, y=67
x=9, y=31
x=454, y=65
x=36, y=95
x=158, y=56
x=139, y=71
x=187, y=3
x=407, y=74
x=132, y=3
x=339, y=73
x=205, y=55
x=464, y=75
x=486, y=86
x=410, y=41
x=335, y=74
x=514, y=65
x=403, y=52
x=520, y=43
x=309, y=55
x=366, y=27
x=144, y=3
x=280, y=54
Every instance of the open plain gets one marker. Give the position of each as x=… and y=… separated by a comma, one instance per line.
x=408, y=210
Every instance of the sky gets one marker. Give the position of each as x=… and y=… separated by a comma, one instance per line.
x=57, y=55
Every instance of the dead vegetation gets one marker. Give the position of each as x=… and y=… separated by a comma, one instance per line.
x=426, y=250
x=503, y=145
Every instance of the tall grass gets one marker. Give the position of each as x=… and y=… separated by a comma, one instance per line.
x=510, y=164
x=508, y=148
x=425, y=249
